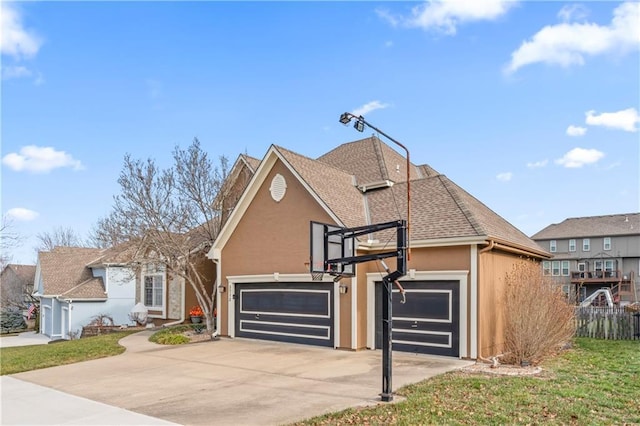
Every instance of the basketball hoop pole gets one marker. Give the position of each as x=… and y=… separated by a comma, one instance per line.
x=345, y=119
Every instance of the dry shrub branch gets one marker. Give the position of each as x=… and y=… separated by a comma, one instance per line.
x=538, y=318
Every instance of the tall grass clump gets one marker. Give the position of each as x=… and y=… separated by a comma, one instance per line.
x=538, y=317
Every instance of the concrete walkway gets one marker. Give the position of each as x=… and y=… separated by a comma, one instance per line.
x=24, y=339
x=226, y=382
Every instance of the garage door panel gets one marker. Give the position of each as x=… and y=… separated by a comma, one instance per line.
x=428, y=321
x=286, y=312
x=286, y=329
x=286, y=301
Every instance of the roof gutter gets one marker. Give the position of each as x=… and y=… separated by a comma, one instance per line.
x=493, y=244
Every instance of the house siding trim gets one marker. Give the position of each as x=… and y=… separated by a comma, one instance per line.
x=354, y=312
x=461, y=276
x=473, y=306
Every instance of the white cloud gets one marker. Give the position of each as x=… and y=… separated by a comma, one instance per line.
x=21, y=214
x=572, y=12
x=579, y=157
x=37, y=159
x=624, y=120
x=538, y=164
x=15, y=71
x=16, y=41
x=445, y=16
x=576, y=130
x=504, y=177
x=388, y=43
x=368, y=107
x=567, y=44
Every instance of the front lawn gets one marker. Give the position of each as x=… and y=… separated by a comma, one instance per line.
x=596, y=382
x=25, y=358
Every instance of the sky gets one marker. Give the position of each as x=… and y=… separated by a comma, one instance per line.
x=531, y=107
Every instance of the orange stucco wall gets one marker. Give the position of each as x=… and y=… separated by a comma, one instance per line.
x=271, y=236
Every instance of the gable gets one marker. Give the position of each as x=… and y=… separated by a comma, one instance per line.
x=274, y=235
x=325, y=185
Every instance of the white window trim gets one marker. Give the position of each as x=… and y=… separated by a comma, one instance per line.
x=546, y=268
x=555, y=265
x=586, y=244
x=572, y=248
x=562, y=268
x=606, y=243
x=553, y=246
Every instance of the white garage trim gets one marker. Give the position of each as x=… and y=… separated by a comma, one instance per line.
x=279, y=278
x=460, y=276
x=473, y=308
x=354, y=313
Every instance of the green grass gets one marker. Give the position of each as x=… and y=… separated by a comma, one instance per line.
x=25, y=358
x=171, y=335
x=596, y=383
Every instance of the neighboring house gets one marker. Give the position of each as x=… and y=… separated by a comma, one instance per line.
x=76, y=284
x=16, y=285
x=461, y=252
x=74, y=287
x=590, y=253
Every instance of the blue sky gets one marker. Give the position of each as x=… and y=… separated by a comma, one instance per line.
x=532, y=107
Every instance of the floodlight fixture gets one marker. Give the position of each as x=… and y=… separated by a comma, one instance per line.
x=345, y=118
x=359, y=124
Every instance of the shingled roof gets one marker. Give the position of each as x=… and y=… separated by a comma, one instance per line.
x=365, y=182
x=592, y=226
x=64, y=272
x=25, y=274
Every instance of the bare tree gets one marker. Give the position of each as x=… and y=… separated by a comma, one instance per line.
x=9, y=240
x=169, y=216
x=60, y=236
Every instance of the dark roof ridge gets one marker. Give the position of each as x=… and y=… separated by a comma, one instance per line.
x=452, y=189
x=377, y=149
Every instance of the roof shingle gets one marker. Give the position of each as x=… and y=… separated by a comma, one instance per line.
x=592, y=226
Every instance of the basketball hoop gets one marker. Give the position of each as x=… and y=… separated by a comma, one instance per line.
x=317, y=276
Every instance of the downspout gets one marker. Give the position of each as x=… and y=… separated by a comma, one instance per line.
x=490, y=247
x=182, y=307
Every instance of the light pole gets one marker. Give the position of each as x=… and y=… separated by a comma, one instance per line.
x=388, y=280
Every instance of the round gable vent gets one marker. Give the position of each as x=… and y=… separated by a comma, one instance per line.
x=278, y=187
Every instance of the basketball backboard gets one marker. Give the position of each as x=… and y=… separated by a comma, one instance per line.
x=328, y=246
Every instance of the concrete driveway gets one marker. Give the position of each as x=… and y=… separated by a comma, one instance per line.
x=234, y=382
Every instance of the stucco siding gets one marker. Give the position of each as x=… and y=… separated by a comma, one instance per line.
x=272, y=236
x=493, y=268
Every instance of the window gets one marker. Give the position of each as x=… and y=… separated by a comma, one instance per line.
x=552, y=246
x=597, y=266
x=555, y=268
x=608, y=268
x=546, y=267
x=565, y=268
x=586, y=244
x=607, y=243
x=572, y=245
x=153, y=279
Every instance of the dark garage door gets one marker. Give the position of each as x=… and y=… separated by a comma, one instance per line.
x=286, y=312
x=429, y=321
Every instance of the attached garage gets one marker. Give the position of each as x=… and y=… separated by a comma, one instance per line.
x=285, y=312
x=433, y=319
x=429, y=320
